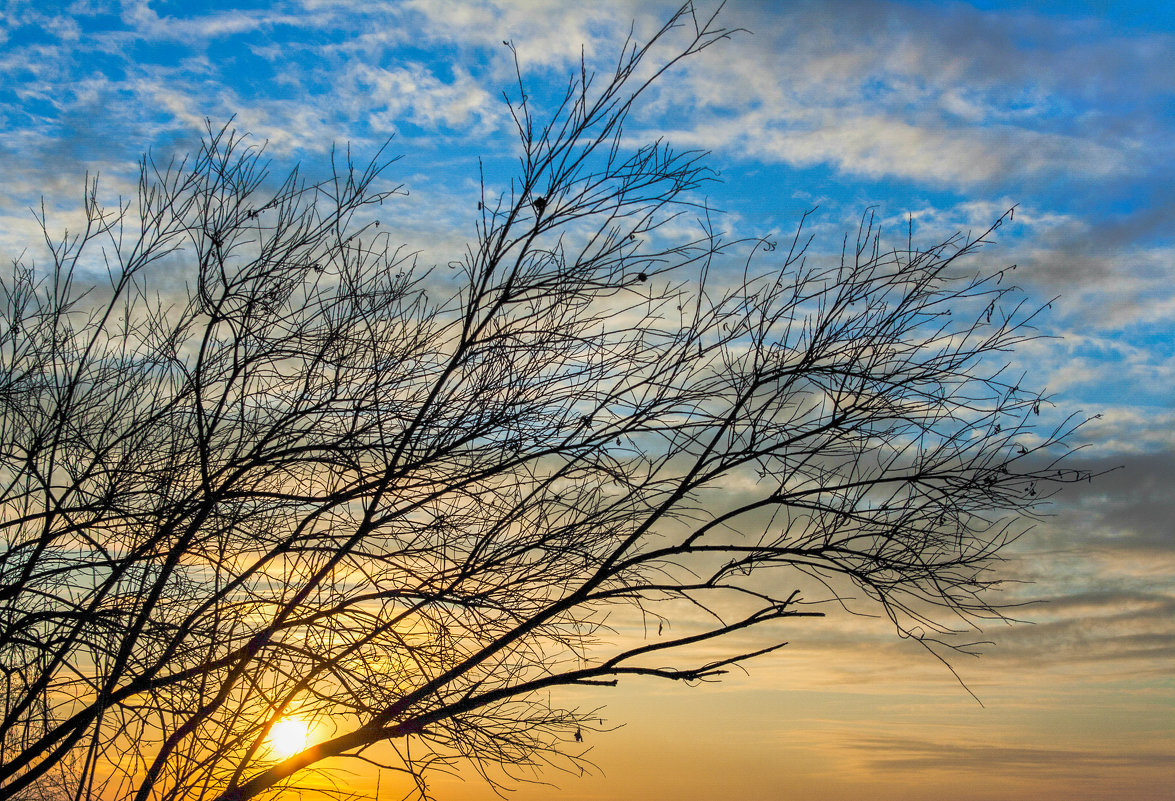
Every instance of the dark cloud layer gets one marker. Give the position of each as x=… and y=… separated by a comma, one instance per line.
x=1129, y=506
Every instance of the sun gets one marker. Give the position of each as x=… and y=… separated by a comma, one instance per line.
x=289, y=736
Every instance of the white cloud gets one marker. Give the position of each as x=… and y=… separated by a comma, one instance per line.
x=962, y=104
x=414, y=93
x=881, y=146
x=547, y=34
x=145, y=22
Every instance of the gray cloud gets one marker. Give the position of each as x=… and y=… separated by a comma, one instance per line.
x=1130, y=507
x=1025, y=761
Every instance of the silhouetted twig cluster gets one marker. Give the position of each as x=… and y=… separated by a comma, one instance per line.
x=314, y=480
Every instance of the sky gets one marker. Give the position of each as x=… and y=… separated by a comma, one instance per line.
x=940, y=114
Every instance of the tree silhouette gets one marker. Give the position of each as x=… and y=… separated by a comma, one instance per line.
x=317, y=482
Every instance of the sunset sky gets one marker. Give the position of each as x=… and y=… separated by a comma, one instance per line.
x=943, y=113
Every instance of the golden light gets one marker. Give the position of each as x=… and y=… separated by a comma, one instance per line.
x=289, y=736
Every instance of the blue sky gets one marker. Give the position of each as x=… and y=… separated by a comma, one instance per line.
x=943, y=113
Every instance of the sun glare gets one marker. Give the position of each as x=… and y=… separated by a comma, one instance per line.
x=289, y=736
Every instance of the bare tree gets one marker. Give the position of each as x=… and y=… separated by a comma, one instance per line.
x=317, y=483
